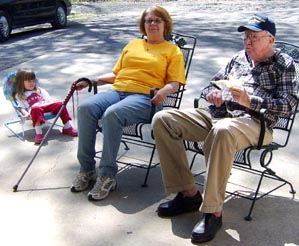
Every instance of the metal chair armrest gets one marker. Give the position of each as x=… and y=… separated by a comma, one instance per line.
x=95, y=87
x=261, y=118
x=263, y=128
x=196, y=102
x=153, y=109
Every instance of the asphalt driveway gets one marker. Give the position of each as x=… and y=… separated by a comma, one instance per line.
x=44, y=212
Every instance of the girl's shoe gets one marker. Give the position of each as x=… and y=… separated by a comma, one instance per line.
x=70, y=131
x=38, y=138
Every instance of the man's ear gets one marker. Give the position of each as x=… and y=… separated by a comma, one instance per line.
x=272, y=40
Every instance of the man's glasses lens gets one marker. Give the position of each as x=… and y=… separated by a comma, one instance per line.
x=252, y=37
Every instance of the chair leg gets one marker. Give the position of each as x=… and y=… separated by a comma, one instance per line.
x=248, y=217
x=125, y=144
x=19, y=136
x=149, y=167
x=272, y=175
x=193, y=159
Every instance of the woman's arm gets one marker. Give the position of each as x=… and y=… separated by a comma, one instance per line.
x=107, y=78
x=161, y=94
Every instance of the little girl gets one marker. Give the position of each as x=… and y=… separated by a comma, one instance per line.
x=34, y=101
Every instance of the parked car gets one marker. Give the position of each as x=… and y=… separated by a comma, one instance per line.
x=21, y=13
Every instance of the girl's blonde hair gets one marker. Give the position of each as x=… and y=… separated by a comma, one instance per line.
x=22, y=75
x=160, y=12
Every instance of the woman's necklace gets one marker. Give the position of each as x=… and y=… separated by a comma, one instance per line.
x=155, y=42
x=149, y=44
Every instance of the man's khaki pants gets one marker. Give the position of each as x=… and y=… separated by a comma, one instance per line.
x=222, y=138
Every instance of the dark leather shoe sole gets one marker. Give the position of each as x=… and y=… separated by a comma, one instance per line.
x=197, y=240
x=178, y=211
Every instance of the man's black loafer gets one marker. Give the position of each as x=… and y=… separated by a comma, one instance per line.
x=206, y=229
x=180, y=204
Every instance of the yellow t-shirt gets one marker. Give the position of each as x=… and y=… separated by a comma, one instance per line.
x=142, y=66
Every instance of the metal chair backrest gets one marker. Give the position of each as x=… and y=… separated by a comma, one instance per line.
x=283, y=127
x=187, y=45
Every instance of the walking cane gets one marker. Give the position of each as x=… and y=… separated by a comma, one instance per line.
x=66, y=100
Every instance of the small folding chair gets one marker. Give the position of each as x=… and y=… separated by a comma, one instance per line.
x=9, y=90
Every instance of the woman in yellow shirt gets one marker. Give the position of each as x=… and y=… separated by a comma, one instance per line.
x=142, y=65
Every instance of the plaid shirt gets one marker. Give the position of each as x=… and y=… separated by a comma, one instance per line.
x=271, y=84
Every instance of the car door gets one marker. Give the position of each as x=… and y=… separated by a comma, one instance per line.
x=26, y=12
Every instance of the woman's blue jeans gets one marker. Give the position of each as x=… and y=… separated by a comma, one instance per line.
x=117, y=110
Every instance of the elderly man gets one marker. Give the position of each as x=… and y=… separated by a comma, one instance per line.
x=257, y=77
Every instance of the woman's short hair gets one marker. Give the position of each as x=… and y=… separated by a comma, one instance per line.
x=162, y=13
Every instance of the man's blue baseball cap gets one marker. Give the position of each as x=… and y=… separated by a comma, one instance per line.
x=259, y=22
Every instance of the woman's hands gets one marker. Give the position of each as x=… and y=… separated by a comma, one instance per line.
x=82, y=84
x=161, y=94
x=159, y=98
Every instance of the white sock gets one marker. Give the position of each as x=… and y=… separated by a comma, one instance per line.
x=67, y=125
x=38, y=129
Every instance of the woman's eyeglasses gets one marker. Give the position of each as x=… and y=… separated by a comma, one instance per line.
x=155, y=21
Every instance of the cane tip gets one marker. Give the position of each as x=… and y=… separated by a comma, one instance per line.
x=15, y=188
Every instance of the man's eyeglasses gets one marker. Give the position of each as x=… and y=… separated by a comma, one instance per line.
x=252, y=37
x=155, y=21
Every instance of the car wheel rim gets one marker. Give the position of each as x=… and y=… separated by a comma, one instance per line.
x=4, y=28
x=61, y=15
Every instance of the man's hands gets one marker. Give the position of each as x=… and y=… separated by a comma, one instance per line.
x=215, y=97
x=239, y=94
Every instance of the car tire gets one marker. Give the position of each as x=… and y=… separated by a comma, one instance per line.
x=5, y=26
x=60, y=20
